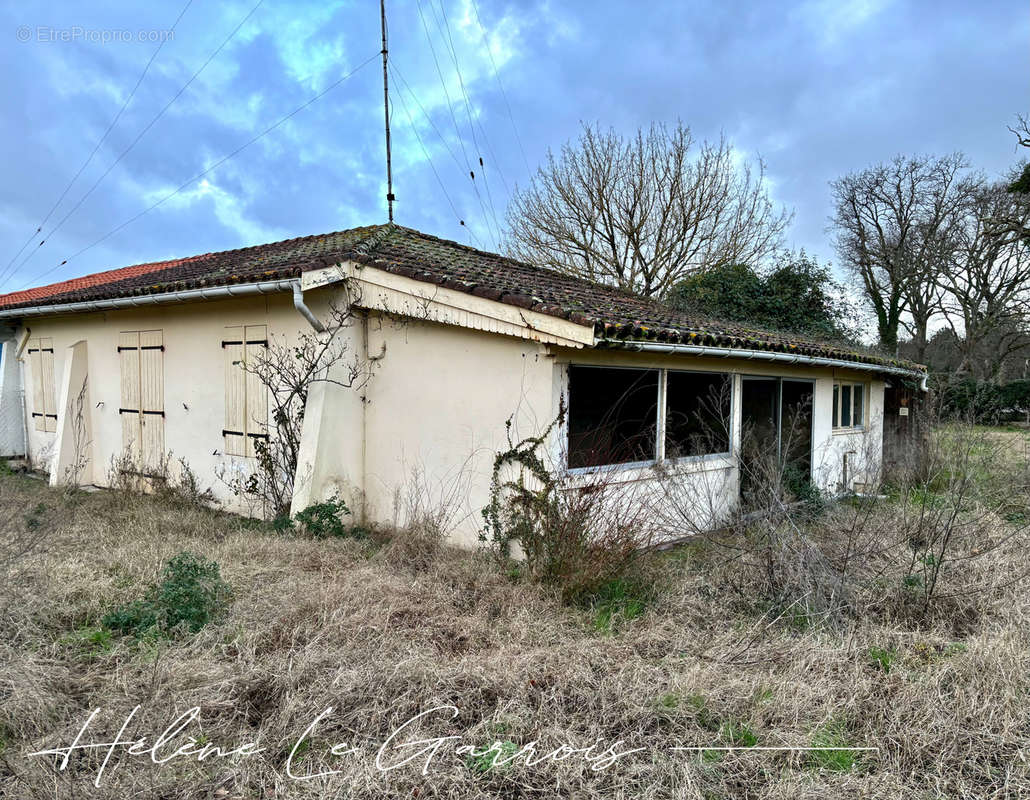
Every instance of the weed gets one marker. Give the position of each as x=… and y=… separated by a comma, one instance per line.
x=35, y=518
x=738, y=734
x=191, y=593
x=882, y=658
x=831, y=751
x=619, y=600
x=90, y=642
x=669, y=700
x=492, y=758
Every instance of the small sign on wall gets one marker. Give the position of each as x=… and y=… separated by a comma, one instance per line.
x=903, y=412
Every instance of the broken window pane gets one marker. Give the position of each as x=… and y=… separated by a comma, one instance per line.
x=612, y=415
x=697, y=409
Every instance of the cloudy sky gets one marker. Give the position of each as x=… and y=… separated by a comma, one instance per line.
x=816, y=89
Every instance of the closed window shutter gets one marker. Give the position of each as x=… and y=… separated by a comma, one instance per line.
x=257, y=395
x=46, y=357
x=129, y=407
x=235, y=431
x=38, y=403
x=152, y=394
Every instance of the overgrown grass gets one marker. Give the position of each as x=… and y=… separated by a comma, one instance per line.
x=381, y=633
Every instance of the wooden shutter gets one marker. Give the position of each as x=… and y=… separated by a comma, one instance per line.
x=246, y=398
x=257, y=395
x=235, y=431
x=38, y=403
x=152, y=397
x=46, y=357
x=129, y=407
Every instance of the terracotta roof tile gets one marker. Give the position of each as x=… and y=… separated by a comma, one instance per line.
x=615, y=315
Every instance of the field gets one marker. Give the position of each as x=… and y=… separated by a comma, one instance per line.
x=680, y=655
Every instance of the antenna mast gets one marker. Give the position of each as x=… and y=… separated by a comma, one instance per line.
x=386, y=111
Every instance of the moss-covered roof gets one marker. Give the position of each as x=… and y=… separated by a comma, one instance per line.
x=615, y=315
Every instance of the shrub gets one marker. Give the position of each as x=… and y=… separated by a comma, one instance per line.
x=324, y=519
x=190, y=594
x=577, y=533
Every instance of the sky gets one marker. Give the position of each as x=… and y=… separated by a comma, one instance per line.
x=238, y=123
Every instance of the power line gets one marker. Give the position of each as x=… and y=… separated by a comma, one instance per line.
x=443, y=139
x=446, y=27
x=397, y=74
x=96, y=147
x=214, y=166
x=436, y=174
x=148, y=126
x=497, y=77
x=450, y=110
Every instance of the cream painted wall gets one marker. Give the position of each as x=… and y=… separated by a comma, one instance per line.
x=423, y=433
x=194, y=379
x=435, y=417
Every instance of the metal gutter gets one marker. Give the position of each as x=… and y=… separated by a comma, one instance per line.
x=183, y=295
x=762, y=355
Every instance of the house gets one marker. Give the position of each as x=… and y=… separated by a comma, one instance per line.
x=149, y=359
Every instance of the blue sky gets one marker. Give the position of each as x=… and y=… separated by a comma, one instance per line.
x=815, y=88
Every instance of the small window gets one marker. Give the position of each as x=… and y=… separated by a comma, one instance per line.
x=848, y=405
x=44, y=400
x=697, y=414
x=612, y=415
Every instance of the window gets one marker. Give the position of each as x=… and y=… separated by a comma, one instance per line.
x=142, y=408
x=848, y=405
x=697, y=416
x=44, y=402
x=614, y=415
x=246, y=398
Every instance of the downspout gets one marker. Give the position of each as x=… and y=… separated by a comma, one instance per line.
x=24, y=342
x=307, y=313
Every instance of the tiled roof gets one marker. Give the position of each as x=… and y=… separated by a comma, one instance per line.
x=614, y=314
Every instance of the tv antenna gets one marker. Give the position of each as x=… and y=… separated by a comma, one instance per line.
x=386, y=112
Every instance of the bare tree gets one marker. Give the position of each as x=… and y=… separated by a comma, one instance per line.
x=1022, y=130
x=895, y=230
x=287, y=370
x=645, y=212
x=987, y=290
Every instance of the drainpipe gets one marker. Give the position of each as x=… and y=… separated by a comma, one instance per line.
x=24, y=342
x=307, y=313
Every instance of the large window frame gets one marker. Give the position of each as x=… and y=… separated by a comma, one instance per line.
x=661, y=402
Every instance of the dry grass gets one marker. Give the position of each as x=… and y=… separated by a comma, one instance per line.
x=354, y=625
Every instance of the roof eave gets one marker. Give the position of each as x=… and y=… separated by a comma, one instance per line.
x=765, y=355
x=158, y=298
